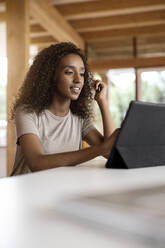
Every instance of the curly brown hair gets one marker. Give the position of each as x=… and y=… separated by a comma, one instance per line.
x=36, y=92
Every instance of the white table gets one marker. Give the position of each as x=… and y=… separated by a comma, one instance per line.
x=28, y=216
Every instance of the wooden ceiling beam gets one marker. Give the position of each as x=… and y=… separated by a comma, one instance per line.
x=39, y=35
x=108, y=8
x=2, y=16
x=33, y=21
x=116, y=45
x=119, y=44
x=42, y=41
x=151, y=49
x=125, y=32
x=152, y=39
x=97, y=65
x=116, y=51
x=120, y=21
x=37, y=30
x=99, y=44
x=60, y=2
x=150, y=55
x=113, y=49
x=122, y=41
x=52, y=21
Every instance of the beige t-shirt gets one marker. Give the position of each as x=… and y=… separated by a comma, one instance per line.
x=56, y=134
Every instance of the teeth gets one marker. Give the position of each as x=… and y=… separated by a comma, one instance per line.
x=75, y=89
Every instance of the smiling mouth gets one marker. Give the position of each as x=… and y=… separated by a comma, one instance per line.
x=75, y=90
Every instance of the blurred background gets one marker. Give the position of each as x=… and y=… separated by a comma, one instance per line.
x=123, y=40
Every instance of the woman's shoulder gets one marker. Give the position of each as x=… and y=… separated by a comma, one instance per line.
x=23, y=111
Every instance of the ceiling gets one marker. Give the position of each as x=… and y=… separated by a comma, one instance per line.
x=107, y=30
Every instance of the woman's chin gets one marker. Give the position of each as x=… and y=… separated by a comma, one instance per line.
x=74, y=98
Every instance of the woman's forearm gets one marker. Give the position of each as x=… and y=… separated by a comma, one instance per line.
x=101, y=98
x=108, y=124
x=49, y=161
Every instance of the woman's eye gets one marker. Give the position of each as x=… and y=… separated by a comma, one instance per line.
x=82, y=74
x=68, y=72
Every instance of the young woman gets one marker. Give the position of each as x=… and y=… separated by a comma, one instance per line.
x=53, y=112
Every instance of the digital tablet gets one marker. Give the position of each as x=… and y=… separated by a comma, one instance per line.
x=141, y=140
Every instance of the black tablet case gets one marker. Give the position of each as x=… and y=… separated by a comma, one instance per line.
x=141, y=141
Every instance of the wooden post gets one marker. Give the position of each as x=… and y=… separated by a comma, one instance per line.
x=138, y=85
x=18, y=56
x=137, y=81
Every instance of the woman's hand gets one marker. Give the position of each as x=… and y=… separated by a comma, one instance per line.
x=100, y=91
x=109, y=142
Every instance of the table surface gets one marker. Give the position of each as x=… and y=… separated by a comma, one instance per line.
x=28, y=216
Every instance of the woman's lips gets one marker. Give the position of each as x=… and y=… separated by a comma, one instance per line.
x=75, y=90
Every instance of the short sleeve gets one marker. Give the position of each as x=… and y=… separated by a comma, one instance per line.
x=25, y=123
x=87, y=126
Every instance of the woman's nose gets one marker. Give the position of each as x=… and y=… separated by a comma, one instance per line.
x=77, y=78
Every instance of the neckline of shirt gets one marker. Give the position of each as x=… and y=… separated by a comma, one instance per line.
x=57, y=117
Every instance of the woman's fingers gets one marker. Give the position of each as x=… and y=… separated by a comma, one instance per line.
x=111, y=140
x=97, y=85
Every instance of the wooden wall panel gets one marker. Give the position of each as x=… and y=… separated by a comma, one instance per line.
x=18, y=55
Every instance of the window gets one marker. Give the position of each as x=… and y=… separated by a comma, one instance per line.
x=121, y=92
x=153, y=85
x=121, y=86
